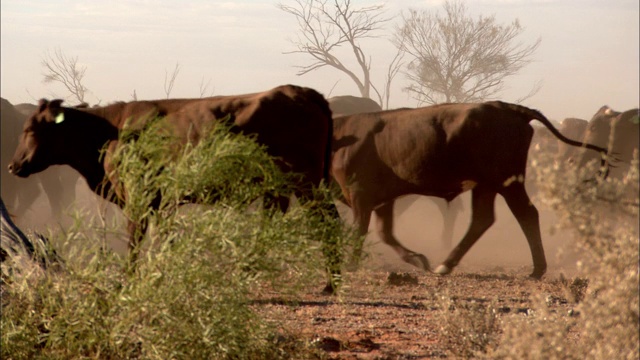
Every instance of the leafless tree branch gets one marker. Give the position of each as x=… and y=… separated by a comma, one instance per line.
x=324, y=27
x=204, y=88
x=170, y=80
x=455, y=58
x=65, y=70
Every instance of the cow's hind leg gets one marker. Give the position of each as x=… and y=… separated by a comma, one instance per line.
x=527, y=215
x=482, y=217
x=384, y=227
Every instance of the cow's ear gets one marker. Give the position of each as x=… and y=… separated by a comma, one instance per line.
x=56, y=110
x=55, y=104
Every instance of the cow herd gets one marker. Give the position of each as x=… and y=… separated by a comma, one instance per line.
x=374, y=156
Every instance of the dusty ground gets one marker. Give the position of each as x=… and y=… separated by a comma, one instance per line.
x=389, y=310
x=397, y=315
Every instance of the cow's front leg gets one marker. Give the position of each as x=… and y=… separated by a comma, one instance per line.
x=384, y=228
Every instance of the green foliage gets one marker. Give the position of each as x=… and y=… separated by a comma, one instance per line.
x=190, y=296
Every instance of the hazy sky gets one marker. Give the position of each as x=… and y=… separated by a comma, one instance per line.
x=589, y=55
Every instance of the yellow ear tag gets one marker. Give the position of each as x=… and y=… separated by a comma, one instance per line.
x=60, y=118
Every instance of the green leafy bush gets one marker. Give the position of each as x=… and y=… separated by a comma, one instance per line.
x=190, y=295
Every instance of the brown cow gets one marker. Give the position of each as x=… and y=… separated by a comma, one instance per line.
x=58, y=183
x=442, y=151
x=616, y=131
x=293, y=122
x=351, y=105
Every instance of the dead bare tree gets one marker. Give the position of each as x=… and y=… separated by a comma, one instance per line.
x=170, y=80
x=204, y=88
x=65, y=70
x=456, y=58
x=324, y=27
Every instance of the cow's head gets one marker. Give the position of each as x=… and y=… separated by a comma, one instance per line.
x=41, y=139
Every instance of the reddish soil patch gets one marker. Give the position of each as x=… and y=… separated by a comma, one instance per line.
x=387, y=315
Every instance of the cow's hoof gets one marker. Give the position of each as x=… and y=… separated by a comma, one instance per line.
x=537, y=275
x=418, y=260
x=442, y=270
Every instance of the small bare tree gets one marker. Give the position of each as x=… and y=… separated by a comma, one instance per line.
x=456, y=58
x=204, y=88
x=65, y=70
x=324, y=27
x=170, y=80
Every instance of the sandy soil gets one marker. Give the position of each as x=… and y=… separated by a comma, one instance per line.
x=389, y=309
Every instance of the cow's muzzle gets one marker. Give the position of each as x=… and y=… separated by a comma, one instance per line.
x=17, y=170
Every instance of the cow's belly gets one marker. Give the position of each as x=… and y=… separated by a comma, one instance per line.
x=385, y=187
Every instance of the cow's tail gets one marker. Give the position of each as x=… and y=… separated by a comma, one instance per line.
x=532, y=114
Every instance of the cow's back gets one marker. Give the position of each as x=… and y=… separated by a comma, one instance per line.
x=349, y=105
x=294, y=123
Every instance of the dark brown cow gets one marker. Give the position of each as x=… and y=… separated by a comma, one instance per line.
x=350, y=105
x=616, y=131
x=293, y=122
x=442, y=151
x=57, y=182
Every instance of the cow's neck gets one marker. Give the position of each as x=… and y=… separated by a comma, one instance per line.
x=89, y=159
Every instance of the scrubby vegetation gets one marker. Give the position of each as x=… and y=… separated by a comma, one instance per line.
x=604, y=216
x=189, y=295
x=605, y=323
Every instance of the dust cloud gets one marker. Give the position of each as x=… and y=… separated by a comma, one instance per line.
x=89, y=214
x=419, y=227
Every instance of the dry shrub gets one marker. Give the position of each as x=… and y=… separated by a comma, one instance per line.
x=469, y=328
x=604, y=216
x=539, y=334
